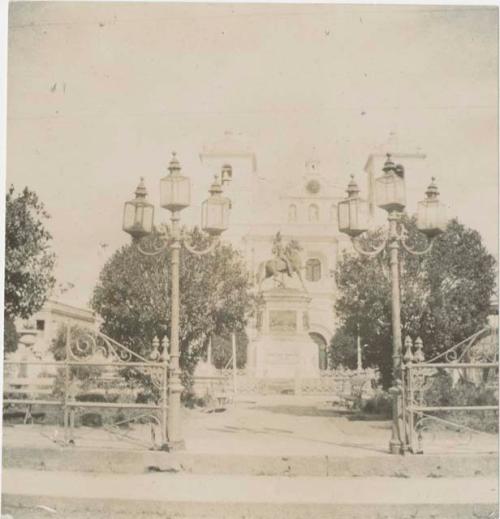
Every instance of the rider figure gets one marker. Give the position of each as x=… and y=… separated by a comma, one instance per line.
x=281, y=252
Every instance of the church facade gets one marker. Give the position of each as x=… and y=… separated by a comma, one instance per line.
x=305, y=211
x=307, y=214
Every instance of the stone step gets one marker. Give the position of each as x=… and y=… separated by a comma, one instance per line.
x=141, y=461
x=235, y=497
x=30, y=508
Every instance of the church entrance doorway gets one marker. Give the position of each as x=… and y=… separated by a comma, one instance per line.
x=322, y=349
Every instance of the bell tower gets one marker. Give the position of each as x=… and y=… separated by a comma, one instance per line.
x=234, y=161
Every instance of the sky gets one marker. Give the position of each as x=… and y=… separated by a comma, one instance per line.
x=99, y=94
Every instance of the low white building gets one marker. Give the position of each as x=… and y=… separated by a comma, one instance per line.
x=37, y=333
x=46, y=322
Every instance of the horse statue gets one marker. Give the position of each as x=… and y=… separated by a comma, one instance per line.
x=286, y=261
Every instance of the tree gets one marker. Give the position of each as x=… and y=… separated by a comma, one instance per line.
x=11, y=337
x=445, y=294
x=29, y=261
x=133, y=298
x=222, y=350
x=343, y=349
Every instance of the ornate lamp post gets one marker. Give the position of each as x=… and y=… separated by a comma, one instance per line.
x=353, y=221
x=175, y=195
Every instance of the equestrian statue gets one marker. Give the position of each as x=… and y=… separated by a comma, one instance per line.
x=286, y=260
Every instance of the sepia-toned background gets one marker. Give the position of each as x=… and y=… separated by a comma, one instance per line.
x=99, y=94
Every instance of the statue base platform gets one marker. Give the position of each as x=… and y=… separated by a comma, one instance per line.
x=282, y=347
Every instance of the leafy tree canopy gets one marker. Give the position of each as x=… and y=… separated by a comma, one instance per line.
x=28, y=260
x=343, y=349
x=133, y=297
x=10, y=336
x=445, y=295
x=222, y=350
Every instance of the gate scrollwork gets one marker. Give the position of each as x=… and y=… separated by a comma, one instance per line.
x=92, y=345
x=440, y=393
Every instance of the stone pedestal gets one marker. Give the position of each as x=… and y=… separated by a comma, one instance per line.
x=205, y=378
x=282, y=347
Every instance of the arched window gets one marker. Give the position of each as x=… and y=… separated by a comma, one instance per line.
x=313, y=269
x=313, y=213
x=292, y=213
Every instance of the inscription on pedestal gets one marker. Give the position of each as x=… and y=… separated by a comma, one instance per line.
x=282, y=321
x=277, y=354
x=283, y=347
x=281, y=360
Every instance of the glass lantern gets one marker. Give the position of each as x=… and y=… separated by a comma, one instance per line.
x=138, y=214
x=390, y=187
x=175, y=189
x=431, y=213
x=215, y=211
x=353, y=212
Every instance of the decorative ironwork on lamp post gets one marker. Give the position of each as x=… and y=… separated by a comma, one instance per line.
x=353, y=216
x=138, y=221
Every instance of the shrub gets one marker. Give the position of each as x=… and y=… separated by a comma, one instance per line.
x=190, y=400
x=379, y=404
x=121, y=420
x=90, y=397
x=439, y=389
x=442, y=392
x=91, y=420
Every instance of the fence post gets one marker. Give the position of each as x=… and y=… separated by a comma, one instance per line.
x=359, y=367
x=418, y=358
x=407, y=416
x=419, y=354
x=233, y=341
x=164, y=396
x=66, y=423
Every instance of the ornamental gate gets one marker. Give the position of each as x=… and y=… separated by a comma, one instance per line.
x=456, y=390
x=93, y=385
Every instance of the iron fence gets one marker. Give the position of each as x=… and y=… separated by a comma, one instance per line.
x=94, y=373
x=456, y=390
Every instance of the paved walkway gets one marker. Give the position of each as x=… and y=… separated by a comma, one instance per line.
x=249, y=489
x=274, y=425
